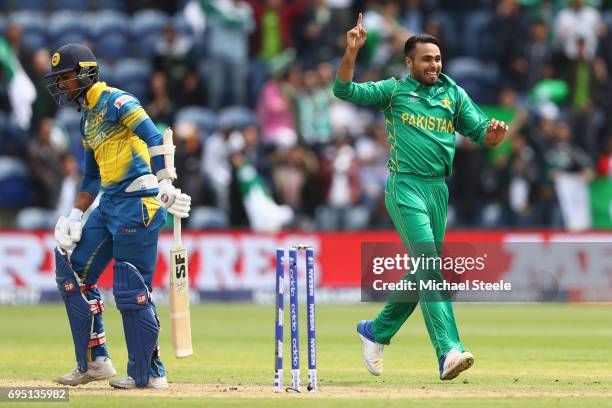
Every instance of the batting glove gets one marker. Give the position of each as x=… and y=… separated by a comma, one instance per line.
x=173, y=200
x=68, y=230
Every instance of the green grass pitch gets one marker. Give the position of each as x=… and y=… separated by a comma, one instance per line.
x=550, y=355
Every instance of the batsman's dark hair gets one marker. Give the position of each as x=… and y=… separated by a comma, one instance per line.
x=419, y=38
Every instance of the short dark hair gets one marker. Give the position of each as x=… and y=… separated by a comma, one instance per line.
x=419, y=38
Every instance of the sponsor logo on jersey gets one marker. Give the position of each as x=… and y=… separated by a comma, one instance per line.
x=122, y=100
x=97, y=140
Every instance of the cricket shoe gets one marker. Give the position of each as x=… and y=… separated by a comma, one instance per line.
x=99, y=369
x=453, y=363
x=372, y=351
x=128, y=383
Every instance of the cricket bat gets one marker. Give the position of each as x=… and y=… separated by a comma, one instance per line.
x=179, y=277
x=179, y=296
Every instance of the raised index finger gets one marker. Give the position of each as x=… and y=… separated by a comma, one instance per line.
x=359, y=19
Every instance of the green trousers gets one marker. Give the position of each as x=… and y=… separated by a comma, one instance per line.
x=417, y=207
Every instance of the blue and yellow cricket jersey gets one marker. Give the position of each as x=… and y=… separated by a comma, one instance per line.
x=117, y=133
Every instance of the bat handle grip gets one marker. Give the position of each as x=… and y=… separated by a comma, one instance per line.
x=177, y=231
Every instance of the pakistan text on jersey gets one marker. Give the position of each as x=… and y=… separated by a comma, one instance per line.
x=429, y=123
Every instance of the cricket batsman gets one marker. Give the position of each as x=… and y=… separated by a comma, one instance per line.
x=127, y=157
x=422, y=113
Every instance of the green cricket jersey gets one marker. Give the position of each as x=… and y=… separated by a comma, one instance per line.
x=421, y=120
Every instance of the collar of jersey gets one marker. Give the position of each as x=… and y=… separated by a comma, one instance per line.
x=93, y=94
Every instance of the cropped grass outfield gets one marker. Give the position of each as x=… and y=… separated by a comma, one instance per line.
x=551, y=355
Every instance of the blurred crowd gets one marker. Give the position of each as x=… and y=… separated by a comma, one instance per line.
x=262, y=142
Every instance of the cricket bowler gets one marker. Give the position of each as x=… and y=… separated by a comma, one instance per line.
x=422, y=113
x=126, y=157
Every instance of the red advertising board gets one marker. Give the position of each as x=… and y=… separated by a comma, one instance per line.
x=233, y=260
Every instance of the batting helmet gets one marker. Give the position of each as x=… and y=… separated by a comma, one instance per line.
x=72, y=57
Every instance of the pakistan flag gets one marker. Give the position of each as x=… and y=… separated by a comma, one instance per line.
x=263, y=213
x=20, y=89
x=601, y=203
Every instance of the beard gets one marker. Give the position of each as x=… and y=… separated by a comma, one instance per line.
x=427, y=78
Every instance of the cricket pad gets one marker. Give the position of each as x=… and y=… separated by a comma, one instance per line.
x=140, y=325
x=77, y=308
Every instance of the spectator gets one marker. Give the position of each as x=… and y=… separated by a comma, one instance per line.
x=563, y=156
x=414, y=16
x=36, y=217
x=175, y=56
x=192, y=91
x=218, y=149
x=13, y=34
x=586, y=78
x=465, y=22
x=326, y=78
x=578, y=21
x=43, y=106
x=160, y=109
x=509, y=31
x=342, y=12
x=44, y=166
x=295, y=180
x=275, y=111
x=188, y=161
x=540, y=131
x=229, y=24
x=532, y=60
x=384, y=26
x=372, y=153
x=255, y=154
x=318, y=33
x=313, y=111
x=274, y=18
x=562, y=163
x=276, y=56
x=521, y=180
x=434, y=27
x=466, y=191
x=342, y=211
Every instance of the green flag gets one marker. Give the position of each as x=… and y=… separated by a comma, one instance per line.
x=21, y=90
x=601, y=203
x=263, y=213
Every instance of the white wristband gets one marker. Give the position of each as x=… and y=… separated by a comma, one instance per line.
x=75, y=214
